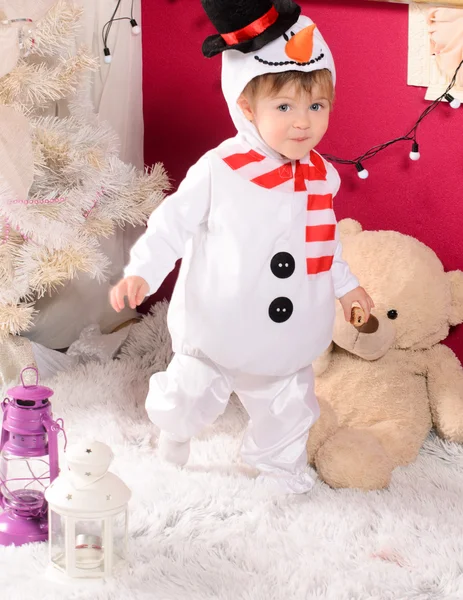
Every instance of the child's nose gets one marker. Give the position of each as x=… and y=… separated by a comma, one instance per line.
x=300, y=46
x=302, y=121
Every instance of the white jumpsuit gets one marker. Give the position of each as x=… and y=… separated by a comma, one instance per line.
x=254, y=302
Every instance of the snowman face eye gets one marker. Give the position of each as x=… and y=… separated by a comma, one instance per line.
x=286, y=37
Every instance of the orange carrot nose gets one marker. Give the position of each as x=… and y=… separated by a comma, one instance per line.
x=300, y=46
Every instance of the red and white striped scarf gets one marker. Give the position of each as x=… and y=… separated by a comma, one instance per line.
x=320, y=228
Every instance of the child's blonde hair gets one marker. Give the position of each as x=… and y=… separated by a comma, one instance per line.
x=272, y=83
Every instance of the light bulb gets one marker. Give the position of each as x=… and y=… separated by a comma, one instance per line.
x=415, y=153
x=361, y=171
x=136, y=29
x=454, y=102
x=107, y=55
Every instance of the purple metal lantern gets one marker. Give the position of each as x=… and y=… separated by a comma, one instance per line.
x=28, y=462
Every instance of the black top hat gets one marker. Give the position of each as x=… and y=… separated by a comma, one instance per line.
x=247, y=25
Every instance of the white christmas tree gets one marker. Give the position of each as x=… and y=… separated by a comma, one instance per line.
x=62, y=185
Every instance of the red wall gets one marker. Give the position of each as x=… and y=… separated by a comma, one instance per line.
x=185, y=115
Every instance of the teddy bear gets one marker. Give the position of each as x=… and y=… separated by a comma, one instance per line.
x=384, y=384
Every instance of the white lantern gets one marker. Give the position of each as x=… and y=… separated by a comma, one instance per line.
x=87, y=514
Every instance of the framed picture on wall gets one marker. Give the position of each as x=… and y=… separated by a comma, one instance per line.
x=435, y=47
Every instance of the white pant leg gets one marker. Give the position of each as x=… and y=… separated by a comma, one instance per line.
x=281, y=410
x=188, y=396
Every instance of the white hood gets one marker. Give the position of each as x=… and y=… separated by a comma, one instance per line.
x=278, y=56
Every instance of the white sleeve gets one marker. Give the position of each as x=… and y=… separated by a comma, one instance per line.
x=343, y=279
x=170, y=226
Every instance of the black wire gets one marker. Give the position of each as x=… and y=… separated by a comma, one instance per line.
x=114, y=20
x=107, y=25
x=410, y=136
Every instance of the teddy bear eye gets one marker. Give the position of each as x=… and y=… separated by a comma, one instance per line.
x=392, y=314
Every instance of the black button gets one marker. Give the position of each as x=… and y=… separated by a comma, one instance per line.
x=280, y=309
x=283, y=265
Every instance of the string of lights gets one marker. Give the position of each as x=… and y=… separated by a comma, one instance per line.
x=410, y=136
x=107, y=28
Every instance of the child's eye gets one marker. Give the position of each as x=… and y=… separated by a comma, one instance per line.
x=316, y=107
x=283, y=107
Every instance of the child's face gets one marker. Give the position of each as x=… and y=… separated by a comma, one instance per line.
x=292, y=122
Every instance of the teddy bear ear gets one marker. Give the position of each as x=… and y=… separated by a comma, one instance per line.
x=456, y=290
x=348, y=227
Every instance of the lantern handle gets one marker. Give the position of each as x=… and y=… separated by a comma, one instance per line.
x=59, y=425
x=55, y=427
x=36, y=372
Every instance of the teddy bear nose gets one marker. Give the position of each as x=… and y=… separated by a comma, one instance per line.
x=371, y=326
x=358, y=321
x=300, y=46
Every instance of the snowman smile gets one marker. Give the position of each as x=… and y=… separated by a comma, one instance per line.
x=289, y=62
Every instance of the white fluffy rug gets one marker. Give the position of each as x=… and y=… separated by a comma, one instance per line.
x=210, y=532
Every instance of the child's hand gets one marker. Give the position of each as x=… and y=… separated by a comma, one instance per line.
x=356, y=295
x=134, y=287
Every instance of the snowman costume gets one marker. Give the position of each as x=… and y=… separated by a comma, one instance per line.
x=254, y=303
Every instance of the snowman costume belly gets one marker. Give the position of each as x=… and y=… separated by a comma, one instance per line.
x=254, y=302
x=244, y=298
